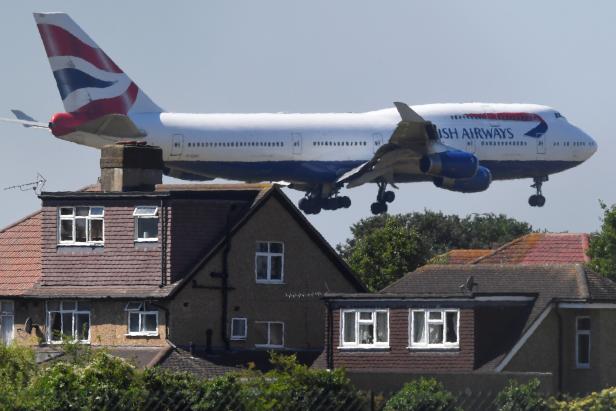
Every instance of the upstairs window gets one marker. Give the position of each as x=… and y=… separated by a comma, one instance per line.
x=434, y=328
x=142, y=319
x=582, y=342
x=365, y=328
x=7, y=320
x=269, y=262
x=81, y=225
x=146, y=223
x=68, y=319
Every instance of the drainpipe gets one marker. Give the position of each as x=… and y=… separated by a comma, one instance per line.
x=560, y=348
x=163, y=243
x=225, y=279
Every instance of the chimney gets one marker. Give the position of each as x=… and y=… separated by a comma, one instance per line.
x=131, y=167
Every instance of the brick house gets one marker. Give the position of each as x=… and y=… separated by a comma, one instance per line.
x=478, y=326
x=168, y=272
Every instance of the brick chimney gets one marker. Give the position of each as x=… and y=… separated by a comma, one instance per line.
x=131, y=167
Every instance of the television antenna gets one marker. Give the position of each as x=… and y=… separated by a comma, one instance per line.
x=36, y=185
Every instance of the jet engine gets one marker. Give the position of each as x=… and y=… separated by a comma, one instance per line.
x=451, y=164
x=479, y=182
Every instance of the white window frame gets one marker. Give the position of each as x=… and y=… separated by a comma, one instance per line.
x=237, y=337
x=269, y=337
x=356, y=344
x=4, y=316
x=137, y=214
x=142, y=311
x=76, y=311
x=427, y=345
x=269, y=256
x=73, y=217
x=579, y=332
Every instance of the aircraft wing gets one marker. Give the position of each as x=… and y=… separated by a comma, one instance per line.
x=408, y=142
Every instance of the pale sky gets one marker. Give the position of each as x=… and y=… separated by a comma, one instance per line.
x=332, y=56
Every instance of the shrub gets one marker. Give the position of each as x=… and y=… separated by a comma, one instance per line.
x=423, y=394
x=597, y=401
x=170, y=390
x=17, y=366
x=521, y=397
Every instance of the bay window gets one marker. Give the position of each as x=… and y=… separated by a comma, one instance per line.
x=365, y=328
x=434, y=328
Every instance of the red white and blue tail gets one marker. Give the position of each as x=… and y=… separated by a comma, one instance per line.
x=90, y=83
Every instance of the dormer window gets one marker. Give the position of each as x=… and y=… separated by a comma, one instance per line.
x=146, y=223
x=81, y=225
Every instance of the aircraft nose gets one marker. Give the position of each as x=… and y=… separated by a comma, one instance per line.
x=591, y=145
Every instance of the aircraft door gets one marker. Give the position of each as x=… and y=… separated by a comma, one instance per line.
x=377, y=141
x=297, y=143
x=541, y=145
x=471, y=145
x=177, y=145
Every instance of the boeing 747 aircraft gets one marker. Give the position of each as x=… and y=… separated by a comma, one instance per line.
x=459, y=147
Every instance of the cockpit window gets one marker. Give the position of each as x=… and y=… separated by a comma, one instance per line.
x=558, y=115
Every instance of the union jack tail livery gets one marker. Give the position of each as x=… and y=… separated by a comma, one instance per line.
x=90, y=83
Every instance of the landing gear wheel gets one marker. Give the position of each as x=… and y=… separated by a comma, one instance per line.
x=537, y=200
x=344, y=202
x=310, y=205
x=389, y=196
x=532, y=201
x=540, y=201
x=378, y=208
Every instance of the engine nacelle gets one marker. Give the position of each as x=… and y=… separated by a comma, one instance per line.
x=452, y=164
x=479, y=182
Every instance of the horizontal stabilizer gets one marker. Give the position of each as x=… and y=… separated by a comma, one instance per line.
x=112, y=125
x=25, y=120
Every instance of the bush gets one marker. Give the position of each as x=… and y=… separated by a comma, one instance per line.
x=597, y=401
x=521, y=397
x=17, y=366
x=423, y=394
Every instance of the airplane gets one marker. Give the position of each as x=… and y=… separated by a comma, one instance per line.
x=460, y=147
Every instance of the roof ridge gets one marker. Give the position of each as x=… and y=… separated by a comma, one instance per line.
x=583, y=281
x=21, y=220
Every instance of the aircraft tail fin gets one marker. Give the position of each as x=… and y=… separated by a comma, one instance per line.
x=88, y=80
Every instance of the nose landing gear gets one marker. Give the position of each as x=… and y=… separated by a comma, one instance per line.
x=382, y=198
x=537, y=200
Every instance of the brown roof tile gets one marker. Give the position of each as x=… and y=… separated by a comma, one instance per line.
x=20, y=255
x=462, y=256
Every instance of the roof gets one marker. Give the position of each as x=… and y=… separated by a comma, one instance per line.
x=20, y=255
x=540, y=248
x=462, y=256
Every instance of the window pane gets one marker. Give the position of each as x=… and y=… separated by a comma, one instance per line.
x=133, y=322
x=53, y=305
x=68, y=305
x=80, y=230
x=96, y=211
x=147, y=228
x=260, y=330
x=276, y=271
x=276, y=248
x=83, y=211
x=275, y=334
x=67, y=324
x=133, y=305
x=366, y=333
x=381, y=327
x=238, y=328
x=363, y=315
x=55, y=323
x=435, y=333
x=7, y=307
x=66, y=211
x=349, y=327
x=435, y=315
x=146, y=210
x=452, y=327
x=583, y=349
x=82, y=326
x=262, y=247
x=419, y=318
x=583, y=323
x=83, y=305
x=6, y=329
x=96, y=230
x=66, y=230
x=149, y=323
x=262, y=267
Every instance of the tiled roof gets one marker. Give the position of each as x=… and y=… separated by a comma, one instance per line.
x=540, y=248
x=459, y=256
x=20, y=255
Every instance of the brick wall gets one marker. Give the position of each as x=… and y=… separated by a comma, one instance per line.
x=399, y=357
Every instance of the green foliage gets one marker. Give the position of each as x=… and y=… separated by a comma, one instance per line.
x=602, y=249
x=385, y=247
x=597, y=401
x=17, y=366
x=423, y=394
x=521, y=397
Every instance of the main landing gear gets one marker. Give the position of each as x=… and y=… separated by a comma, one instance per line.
x=382, y=198
x=313, y=203
x=537, y=200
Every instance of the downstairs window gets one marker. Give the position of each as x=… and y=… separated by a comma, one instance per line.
x=68, y=319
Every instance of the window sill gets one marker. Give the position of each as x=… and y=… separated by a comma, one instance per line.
x=268, y=346
x=72, y=342
x=434, y=349
x=270, y=282
x=238, y=338
x=81, y=244
x=149, y=240
x=141, y=335
x=582, y=367
x=374, y=348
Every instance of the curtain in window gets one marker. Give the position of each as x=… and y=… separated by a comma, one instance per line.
x=452, y=325
x=349, y=327
x=381, y=327
x=419, y=318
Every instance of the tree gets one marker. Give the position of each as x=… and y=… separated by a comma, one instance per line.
x=385, y=247
x=602, y=247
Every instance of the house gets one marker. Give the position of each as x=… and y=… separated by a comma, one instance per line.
x=160, y=273
x=477, y=326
